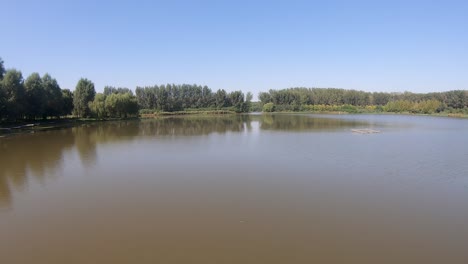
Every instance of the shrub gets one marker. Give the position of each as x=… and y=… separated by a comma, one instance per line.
x=268, y=107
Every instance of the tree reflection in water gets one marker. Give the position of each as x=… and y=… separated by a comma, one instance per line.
x=41, y=155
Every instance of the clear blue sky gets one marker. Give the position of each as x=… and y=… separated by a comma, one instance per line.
x=420, y=46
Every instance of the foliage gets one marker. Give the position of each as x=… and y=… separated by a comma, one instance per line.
x=67, y=102
x=53, y=94
x=268, y=107
x=114, y=105
x=221, y=99
x=2, y=101
x=121, y=105
x=247, y=105
x=14, y=94
x=98, y=106
x=236, y=99
x=108, y=90
x=38, y=97
x=171, y=97
x=426, y=107
x=290, y=99
x=35, y=96
x=398, y=106
x=346, y=108
x=84, y=93
x=423, y=107
x=2, y=69
x=256, y=107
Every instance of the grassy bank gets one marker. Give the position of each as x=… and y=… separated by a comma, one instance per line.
x=432, y=108
x=441, y=114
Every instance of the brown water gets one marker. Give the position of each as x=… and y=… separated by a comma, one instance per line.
x=242, y=189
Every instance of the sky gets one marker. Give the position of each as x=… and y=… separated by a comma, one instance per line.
x=391, y=46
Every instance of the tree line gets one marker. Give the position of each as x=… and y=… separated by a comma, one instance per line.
x=35, y=97
x=40, y=97
x=172, y=97
x=297, y=99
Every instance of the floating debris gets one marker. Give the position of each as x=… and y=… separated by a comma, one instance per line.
x=365, y=131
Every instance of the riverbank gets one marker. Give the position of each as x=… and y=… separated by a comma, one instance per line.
x=32, y=126
x=184, y=113
x=442, y=114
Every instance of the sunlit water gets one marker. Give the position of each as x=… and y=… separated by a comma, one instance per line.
x=241, y=189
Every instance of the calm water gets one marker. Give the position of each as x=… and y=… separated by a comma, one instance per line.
x=243, y=189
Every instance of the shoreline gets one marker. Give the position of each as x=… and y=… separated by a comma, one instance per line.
x=187, y=113
x=451, y=115
x=32, y=126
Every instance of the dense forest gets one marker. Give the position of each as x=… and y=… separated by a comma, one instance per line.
x=332, y=99
x=173, y=97
x=35, y=97
x=40, y=97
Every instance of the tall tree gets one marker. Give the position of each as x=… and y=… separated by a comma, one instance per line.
x=13, y=90
x=2, y=101
x=2, y=92
x=120, y=90
x=120, y=105
x=54, y=96
x=220, y=98
x=35, y=96
x=248, y=102
x=67, y=102
x=98, y=106
x=236, y=99
x=2, y=69
x=84, y=93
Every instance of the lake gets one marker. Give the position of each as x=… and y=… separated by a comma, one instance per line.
x=281, y=188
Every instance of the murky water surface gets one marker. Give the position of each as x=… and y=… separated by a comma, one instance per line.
x=239, y=189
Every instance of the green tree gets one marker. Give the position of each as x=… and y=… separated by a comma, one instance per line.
x=220, y=98
x=237, y=100
x=248, y=102
x=399, y=106
x=2, y=102
x=53, y=94
x=67, y=102
x=2, y=92
x=121, y=105
x=14, y=95
x=268, y=107
x=456, y=99
x=380, y=98
x=2, y=69
x=264, y=97
x=130, y=104
x=110, y=90
x=112, y=105
x=35, y=96
x=84, y=93
x=98, y=106
x=427, y=106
